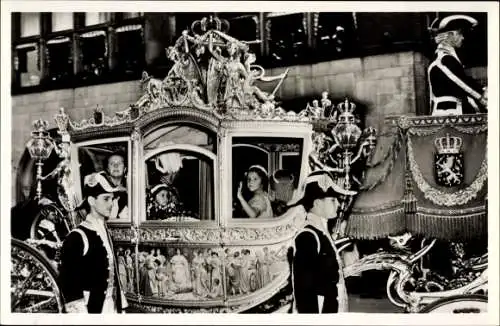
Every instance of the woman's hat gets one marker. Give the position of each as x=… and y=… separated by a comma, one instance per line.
x=320, y=184
x=453, y=23
x=156, y=189
x=258, y=167
x=95, y=184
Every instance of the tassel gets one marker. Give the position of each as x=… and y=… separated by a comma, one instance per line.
x=410, y=204
x=409, y=199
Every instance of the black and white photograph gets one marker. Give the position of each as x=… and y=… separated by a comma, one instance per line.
x=328, y=161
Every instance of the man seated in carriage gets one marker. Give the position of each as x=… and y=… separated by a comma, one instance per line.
x=116, y=169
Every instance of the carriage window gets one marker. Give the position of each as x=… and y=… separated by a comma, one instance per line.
x=112, y=158
x=265, y=172
x=180, y=134
x=180, y=184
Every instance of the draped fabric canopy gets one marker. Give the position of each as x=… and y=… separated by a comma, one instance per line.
x=401, y=192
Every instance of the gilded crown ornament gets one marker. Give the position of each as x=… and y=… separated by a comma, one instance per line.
x=62, y=121
x=346, y=106
x=40, y=126
x=448, y=145
x=209, y=23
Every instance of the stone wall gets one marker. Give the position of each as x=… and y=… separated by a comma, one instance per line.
x=78, y=103
x=384, y=84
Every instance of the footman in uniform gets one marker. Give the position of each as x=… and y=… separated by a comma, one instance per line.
x=451, y=91
x=318, y=281
x=88, y=274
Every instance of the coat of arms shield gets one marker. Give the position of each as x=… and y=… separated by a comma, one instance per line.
x=448, y=161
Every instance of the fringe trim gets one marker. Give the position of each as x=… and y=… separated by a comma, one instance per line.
x=451, y=228
x=376, y=226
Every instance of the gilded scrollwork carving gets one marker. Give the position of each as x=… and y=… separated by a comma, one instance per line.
x=122, y=234
x=203, y=235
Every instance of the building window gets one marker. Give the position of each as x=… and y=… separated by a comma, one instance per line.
x=334, y=34
x=62, y=21
x=130, y=48
x=27, y=64
x=60, y=58
x=96, y=18
x=129, y=43
x=286, y=37
x=246, y=28
x=59, y=47
x=30, y=24
x=94, y=53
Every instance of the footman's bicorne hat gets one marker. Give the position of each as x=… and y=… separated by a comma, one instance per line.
x=453, y=23
x=321, y=184
x=94, y=185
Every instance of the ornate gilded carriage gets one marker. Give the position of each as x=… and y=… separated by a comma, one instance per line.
x=197, y=132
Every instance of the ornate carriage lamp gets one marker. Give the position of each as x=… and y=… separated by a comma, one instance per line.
x=350, y=144
x=346, y=149
x=40, y=147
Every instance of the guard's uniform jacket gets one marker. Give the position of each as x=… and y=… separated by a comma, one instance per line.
x=317, y=271
x=451, y=91
x=88, y=275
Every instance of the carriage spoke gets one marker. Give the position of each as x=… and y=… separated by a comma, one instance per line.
x=23, y=288
x=40, y=305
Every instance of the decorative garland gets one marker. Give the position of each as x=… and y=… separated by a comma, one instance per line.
x=396, y=143
x=476, y=130
x=395, y=153
x=441, y=198
x=423, y=132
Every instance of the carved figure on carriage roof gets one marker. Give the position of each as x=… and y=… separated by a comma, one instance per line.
x=213, y=71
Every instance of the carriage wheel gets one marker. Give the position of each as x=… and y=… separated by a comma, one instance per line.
x=458, y=304
x=33, y=281
x=49, y=225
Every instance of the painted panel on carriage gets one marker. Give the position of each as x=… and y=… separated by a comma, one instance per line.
x=251, y=269
x=127, y=273
x=265, y=173
x=180, y=273
x=113, y=158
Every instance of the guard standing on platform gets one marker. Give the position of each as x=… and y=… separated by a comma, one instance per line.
x=88, y=274
x=451, y=91
x=317, y=277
